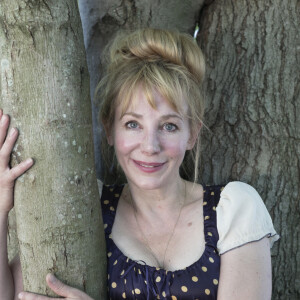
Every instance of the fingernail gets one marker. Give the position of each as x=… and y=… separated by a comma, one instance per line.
x=12, y=131
x=28, y=161
x=52, y=278
x=20, y=295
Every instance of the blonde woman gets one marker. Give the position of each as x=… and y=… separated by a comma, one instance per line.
x=167, y=238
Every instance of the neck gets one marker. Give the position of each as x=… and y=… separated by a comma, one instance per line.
x=160, y=201
x=159, y=211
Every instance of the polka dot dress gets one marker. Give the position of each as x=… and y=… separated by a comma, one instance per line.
x=129, y=279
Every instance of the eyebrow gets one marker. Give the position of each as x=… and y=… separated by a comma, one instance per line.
x=164, y=117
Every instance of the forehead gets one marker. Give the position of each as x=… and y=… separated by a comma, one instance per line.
x=145, y=100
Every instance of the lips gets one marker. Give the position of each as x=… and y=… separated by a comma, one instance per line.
x=147, y=166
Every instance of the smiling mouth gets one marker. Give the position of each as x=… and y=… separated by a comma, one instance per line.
x=148, y=165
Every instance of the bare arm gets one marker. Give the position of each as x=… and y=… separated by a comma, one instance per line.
x=7, y=178
x=15, y=267
x=246, y=272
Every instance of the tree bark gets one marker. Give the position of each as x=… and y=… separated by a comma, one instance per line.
x=252, y=52
x=12, y=238
x=45, y=87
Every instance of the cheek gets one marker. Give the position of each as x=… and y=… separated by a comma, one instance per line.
x=124, y=144
x=175, y=148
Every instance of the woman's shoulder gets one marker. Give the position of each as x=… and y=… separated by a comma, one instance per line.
x=242, y=217
x=237, y=187
x=109, y=189
x=240, y=199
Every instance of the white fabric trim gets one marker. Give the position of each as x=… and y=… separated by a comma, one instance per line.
x=242, y=217
x=100, y=187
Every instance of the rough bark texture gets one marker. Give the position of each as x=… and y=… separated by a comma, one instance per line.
x=101, y=19
x=45, y=87
x=12, y=238
x=252, y=50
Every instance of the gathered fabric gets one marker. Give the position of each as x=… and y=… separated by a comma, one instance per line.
x=130, y=279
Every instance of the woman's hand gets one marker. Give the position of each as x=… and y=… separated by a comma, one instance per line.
x=59, y=288
x=8, y=175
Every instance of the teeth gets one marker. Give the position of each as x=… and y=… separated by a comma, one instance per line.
x=146, y=166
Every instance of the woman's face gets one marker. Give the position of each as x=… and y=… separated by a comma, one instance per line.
x=150, y=143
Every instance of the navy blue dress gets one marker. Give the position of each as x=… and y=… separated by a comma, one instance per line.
x=129, y=279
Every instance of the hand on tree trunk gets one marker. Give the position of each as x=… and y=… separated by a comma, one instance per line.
x=59, y=288
x=8, y=175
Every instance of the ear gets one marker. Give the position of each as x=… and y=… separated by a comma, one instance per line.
x=194, y=135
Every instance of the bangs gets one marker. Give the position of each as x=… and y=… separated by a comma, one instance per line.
x=153, y=78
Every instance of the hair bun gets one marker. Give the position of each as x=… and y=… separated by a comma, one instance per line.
x=160, y=46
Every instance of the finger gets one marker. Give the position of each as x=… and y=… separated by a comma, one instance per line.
x=4, y=123
x=1, y=113
x=8, y=146
x=31, y=296
x=60, y=288
x=21, y=168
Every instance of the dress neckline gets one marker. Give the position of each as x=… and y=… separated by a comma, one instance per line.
x=208, y=223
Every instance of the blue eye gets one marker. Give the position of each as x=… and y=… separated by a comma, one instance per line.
x=132, y=125
x=170, y=127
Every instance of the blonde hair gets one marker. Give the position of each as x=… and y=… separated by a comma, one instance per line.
x=168, y=62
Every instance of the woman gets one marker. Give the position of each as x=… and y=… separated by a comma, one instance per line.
x=167, y=238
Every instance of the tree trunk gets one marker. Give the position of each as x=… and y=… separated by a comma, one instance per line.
x=253, y=108
x=45, y=88
x=12, y=239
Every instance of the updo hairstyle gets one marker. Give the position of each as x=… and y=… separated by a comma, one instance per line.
x=168, y=62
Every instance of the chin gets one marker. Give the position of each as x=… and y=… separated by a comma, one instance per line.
x=146, y=184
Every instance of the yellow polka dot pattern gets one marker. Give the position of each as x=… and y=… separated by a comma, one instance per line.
x=184, y=288
x=201, y=281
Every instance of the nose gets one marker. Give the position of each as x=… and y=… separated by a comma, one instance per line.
x=150, y=144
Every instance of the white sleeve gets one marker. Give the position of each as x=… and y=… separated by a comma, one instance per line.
x=100, y=187
x=242, y=217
